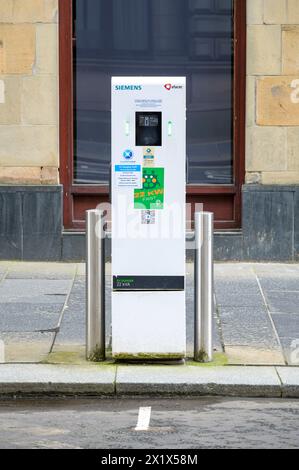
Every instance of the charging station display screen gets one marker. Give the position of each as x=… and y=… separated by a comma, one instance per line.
x=148, y=129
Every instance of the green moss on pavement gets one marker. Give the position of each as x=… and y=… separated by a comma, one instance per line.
x=77, y=357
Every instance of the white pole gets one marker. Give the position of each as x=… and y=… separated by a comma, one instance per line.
x=95, y=286
x=204, y=287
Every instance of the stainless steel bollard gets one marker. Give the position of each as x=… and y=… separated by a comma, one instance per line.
x=95, y=286
x=204, y=287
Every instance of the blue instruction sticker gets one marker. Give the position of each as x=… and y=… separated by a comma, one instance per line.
x=128, y=176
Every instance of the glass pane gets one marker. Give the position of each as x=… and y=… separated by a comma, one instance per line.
x=192, y=38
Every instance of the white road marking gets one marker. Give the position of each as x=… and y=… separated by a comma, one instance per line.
x=144, y=418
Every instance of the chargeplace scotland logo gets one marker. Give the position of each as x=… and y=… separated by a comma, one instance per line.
x=128, y=154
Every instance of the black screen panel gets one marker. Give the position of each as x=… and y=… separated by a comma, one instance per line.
x=148, y=129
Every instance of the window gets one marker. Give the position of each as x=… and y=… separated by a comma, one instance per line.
x=203, y=40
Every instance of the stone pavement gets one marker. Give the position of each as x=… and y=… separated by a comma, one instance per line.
x=123, y=380
x=42, y=310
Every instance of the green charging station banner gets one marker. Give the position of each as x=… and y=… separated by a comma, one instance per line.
x=151, y=196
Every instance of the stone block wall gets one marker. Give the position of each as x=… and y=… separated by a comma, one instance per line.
x=29, y=92
x=272, y=134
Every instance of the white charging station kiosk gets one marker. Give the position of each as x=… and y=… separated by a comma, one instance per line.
x=148, y=188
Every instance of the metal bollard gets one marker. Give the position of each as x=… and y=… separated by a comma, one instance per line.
x=95, y=286
x=204, y=287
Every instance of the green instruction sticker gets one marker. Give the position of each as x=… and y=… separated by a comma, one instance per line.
x=151, y=196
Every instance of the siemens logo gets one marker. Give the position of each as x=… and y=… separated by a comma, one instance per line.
x=128, y=87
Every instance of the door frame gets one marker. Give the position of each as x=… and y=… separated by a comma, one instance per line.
x=194, y=192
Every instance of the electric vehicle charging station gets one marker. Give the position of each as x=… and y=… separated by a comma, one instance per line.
x=148, y=191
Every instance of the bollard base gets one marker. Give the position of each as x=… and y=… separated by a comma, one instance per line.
x=203, y=357
x=97, y=355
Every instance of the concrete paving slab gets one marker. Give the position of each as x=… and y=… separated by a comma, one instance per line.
x=73, y=324
x=247, y=355
x=26, y=347
x=289, y=377
x=72, y=332
x=279, y=268
x=233, y=270
x=280, y=283
x=291, y=350
x=34, y=291
x=81, y=269
x=50, y=276
x=18, y=269
x=3, y=270
x=283, y=302
x=216, y=381
x=3, y=274
x=247, y=326
x=67, y=354
x=238, y=293
x=50, y=379
x=29, y=317
x=287, y=325
x=4, y=264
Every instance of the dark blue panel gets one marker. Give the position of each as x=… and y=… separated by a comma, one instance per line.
x=297, y=224
x=10, y=225
x=42, y=225
x=268, y=224
x=30, y=222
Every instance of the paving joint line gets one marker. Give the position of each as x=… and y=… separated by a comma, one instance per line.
x=219, y=323
x=284, y=313
x=284, y=291
x=115, y=381
x=271, y=319
x=63, y=310
x=4, y=276
x=280, y=380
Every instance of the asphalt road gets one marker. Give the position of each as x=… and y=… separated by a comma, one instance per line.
x=173, y=423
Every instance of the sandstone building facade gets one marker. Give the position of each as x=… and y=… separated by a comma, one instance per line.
x=242, y=64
